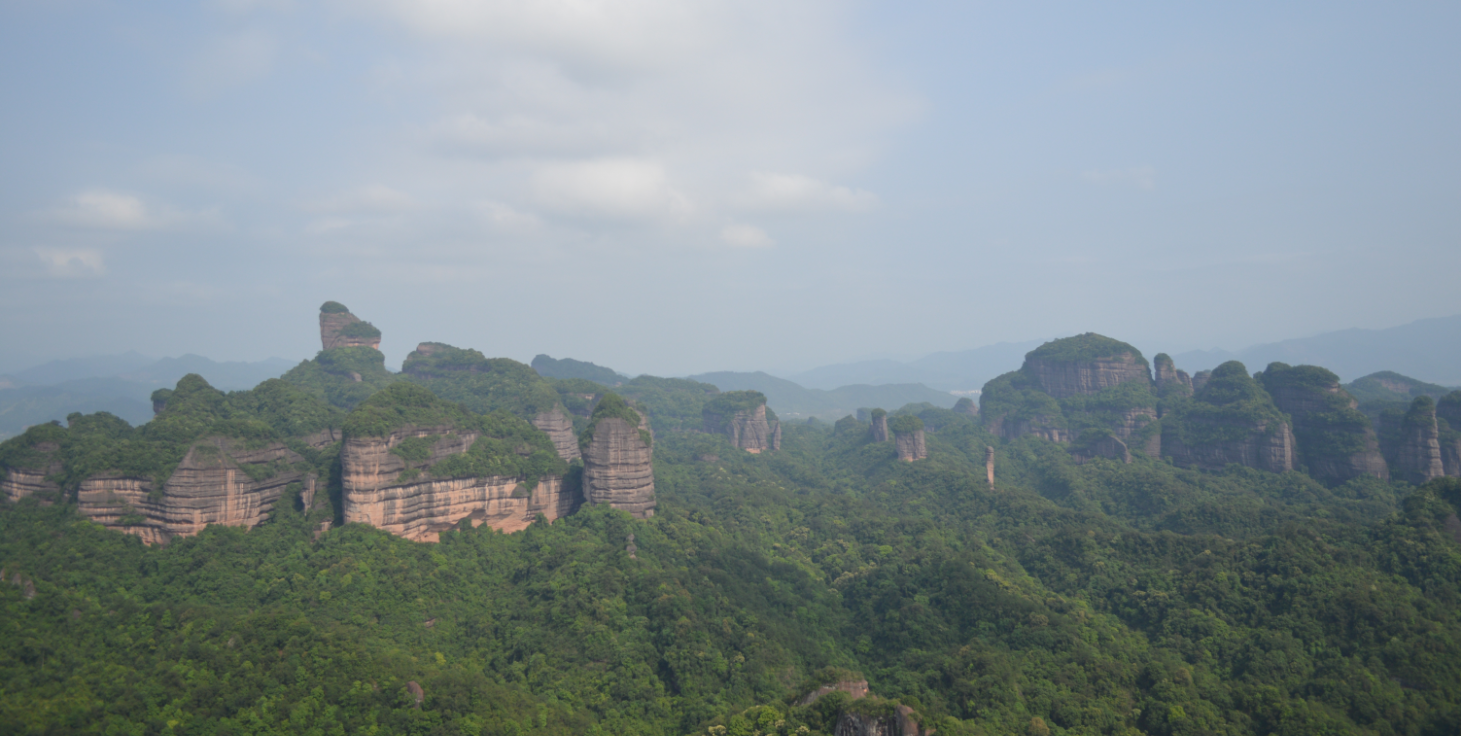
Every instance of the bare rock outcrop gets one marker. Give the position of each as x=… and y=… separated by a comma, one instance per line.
x=989, y=465
x=617, y=458
x=1200, y=379
x=743, y=418
x=1332, y=438
x=20, y=481
x=1231, y=420
x=855, y=689
x=900, y=722
x=385, y=491
x=212, y=485
x=1084, y=365
x=1415, y=451
x=908, y=436
x=1132, y=431
x=1169, y=380
x=879, y=419
x=341, y=329
x=559, y=428
x=1448, y=419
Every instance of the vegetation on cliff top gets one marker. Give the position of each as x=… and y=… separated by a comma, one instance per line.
x=612, y=406
x=481, y=384
x=1392, y=386
x=733, y=402
x=344, y=377
x=905, y=424
x=360, y=329
x=1082, y=348
x=570, y=368
x=333, y=308
x=1230, y=408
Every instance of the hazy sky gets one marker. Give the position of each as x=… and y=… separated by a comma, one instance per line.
x=674, y=187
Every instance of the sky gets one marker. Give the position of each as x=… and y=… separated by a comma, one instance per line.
x=673, y=187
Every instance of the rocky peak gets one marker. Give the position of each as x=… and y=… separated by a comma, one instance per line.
x=744, y=419
x=341, y=329
x=1414, y=445
x=1333, y=439
x=1200, y=379
x=1169, y=380
x=908, y=432
x=617, y=458
x=1084, y=365
x=1232, y=419
x=879, y=419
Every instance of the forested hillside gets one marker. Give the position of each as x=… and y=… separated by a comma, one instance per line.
x=1080, y=593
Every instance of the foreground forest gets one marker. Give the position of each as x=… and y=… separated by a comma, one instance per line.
x=1078, y=595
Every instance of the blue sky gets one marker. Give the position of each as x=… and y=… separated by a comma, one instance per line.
x=677, y=187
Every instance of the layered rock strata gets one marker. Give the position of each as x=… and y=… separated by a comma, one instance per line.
x=1417, y=454
x=748, y=429
x=911, y=445
x=559, y=428
x=382, y=491
x=1064, y=379
x=210, y=486
x=618, y=468
x=1264, y=446
x=334, y=323
x=21, y=483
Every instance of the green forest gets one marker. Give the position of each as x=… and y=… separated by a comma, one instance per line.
x=1094, y=597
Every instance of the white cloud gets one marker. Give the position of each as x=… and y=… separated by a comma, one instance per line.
x=233, y=60
x=614, y=188
x=107, y=210
x=1143, y=177
x=520, y=135
x=71, y=262
x=746, y=236
x=797, y=193
x=375, y=199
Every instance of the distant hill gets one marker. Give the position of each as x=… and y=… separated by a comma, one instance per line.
x=963, y=370
x=1429, y=349
x=549, y=367
x=120, y=384
x=1392, y=386
x=792, y=401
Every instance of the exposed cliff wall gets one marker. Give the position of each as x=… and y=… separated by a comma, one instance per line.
x=386, y=490
x=898, y=720
x=1414, y=448
x=1448, y=419
x=1104, y=445
x=1231, y=420
x=909, y=437
x=742, y=417
x=1169, y=380
x=1084, y=365
x=617, y=458
x=341, y=329
x=1200, y=379
x=29, y=479
x=879, y=419
x=559, y=428
x=1332, y=439
x=212, y=485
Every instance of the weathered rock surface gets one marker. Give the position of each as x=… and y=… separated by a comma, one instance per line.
x=879, y=419
x=748, y=429
x=1169, y=380
x=559, y=428
x=331, y=325
x=1200, y=379
x=380, y=491
x=1129, y=429
x=617, y=468
x=1416, y=454
x=209, y=486
x=1046, y=427
x=1064, y=378
x=854, y=688
x=1108, y=446
x=911, y=445
x=21, y=483
x=989, y=465
x=1262, y=446
x=1333, y=440
x=900, y=723
x=1448, y=413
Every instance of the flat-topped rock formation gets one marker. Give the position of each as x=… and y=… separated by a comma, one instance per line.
x=1415, y=451
x=879, y=419
x=559, y=428
x=28, y=479
x=341, y=329
x=1333, y=439
x=1084, y=365
x=392, y=491
x=743, y=418
x=617, y=458
x=908, y=436
x=1231, y=420
x=212, y=485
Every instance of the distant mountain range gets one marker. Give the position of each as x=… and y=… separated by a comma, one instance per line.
x=964, y=370
x=120, y=384
x=792, y=401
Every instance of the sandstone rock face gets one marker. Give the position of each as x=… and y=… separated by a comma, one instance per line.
x=559, y=429
x=21, y=483
x=900, y=723
x=749, y=430
x=1324, y=416
x=1169, y=380
x=331, y=323
x=880, y=425
x=1110, y=447
x=1417, y=457
x=1133, y=421
x=379, y=491
x=617, y=468
x=1044, y=427
x=1084, y=378
x=1200, y=379
x=989, y=465
x=1261, y=447
x=911, y=446
x=210, y=486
